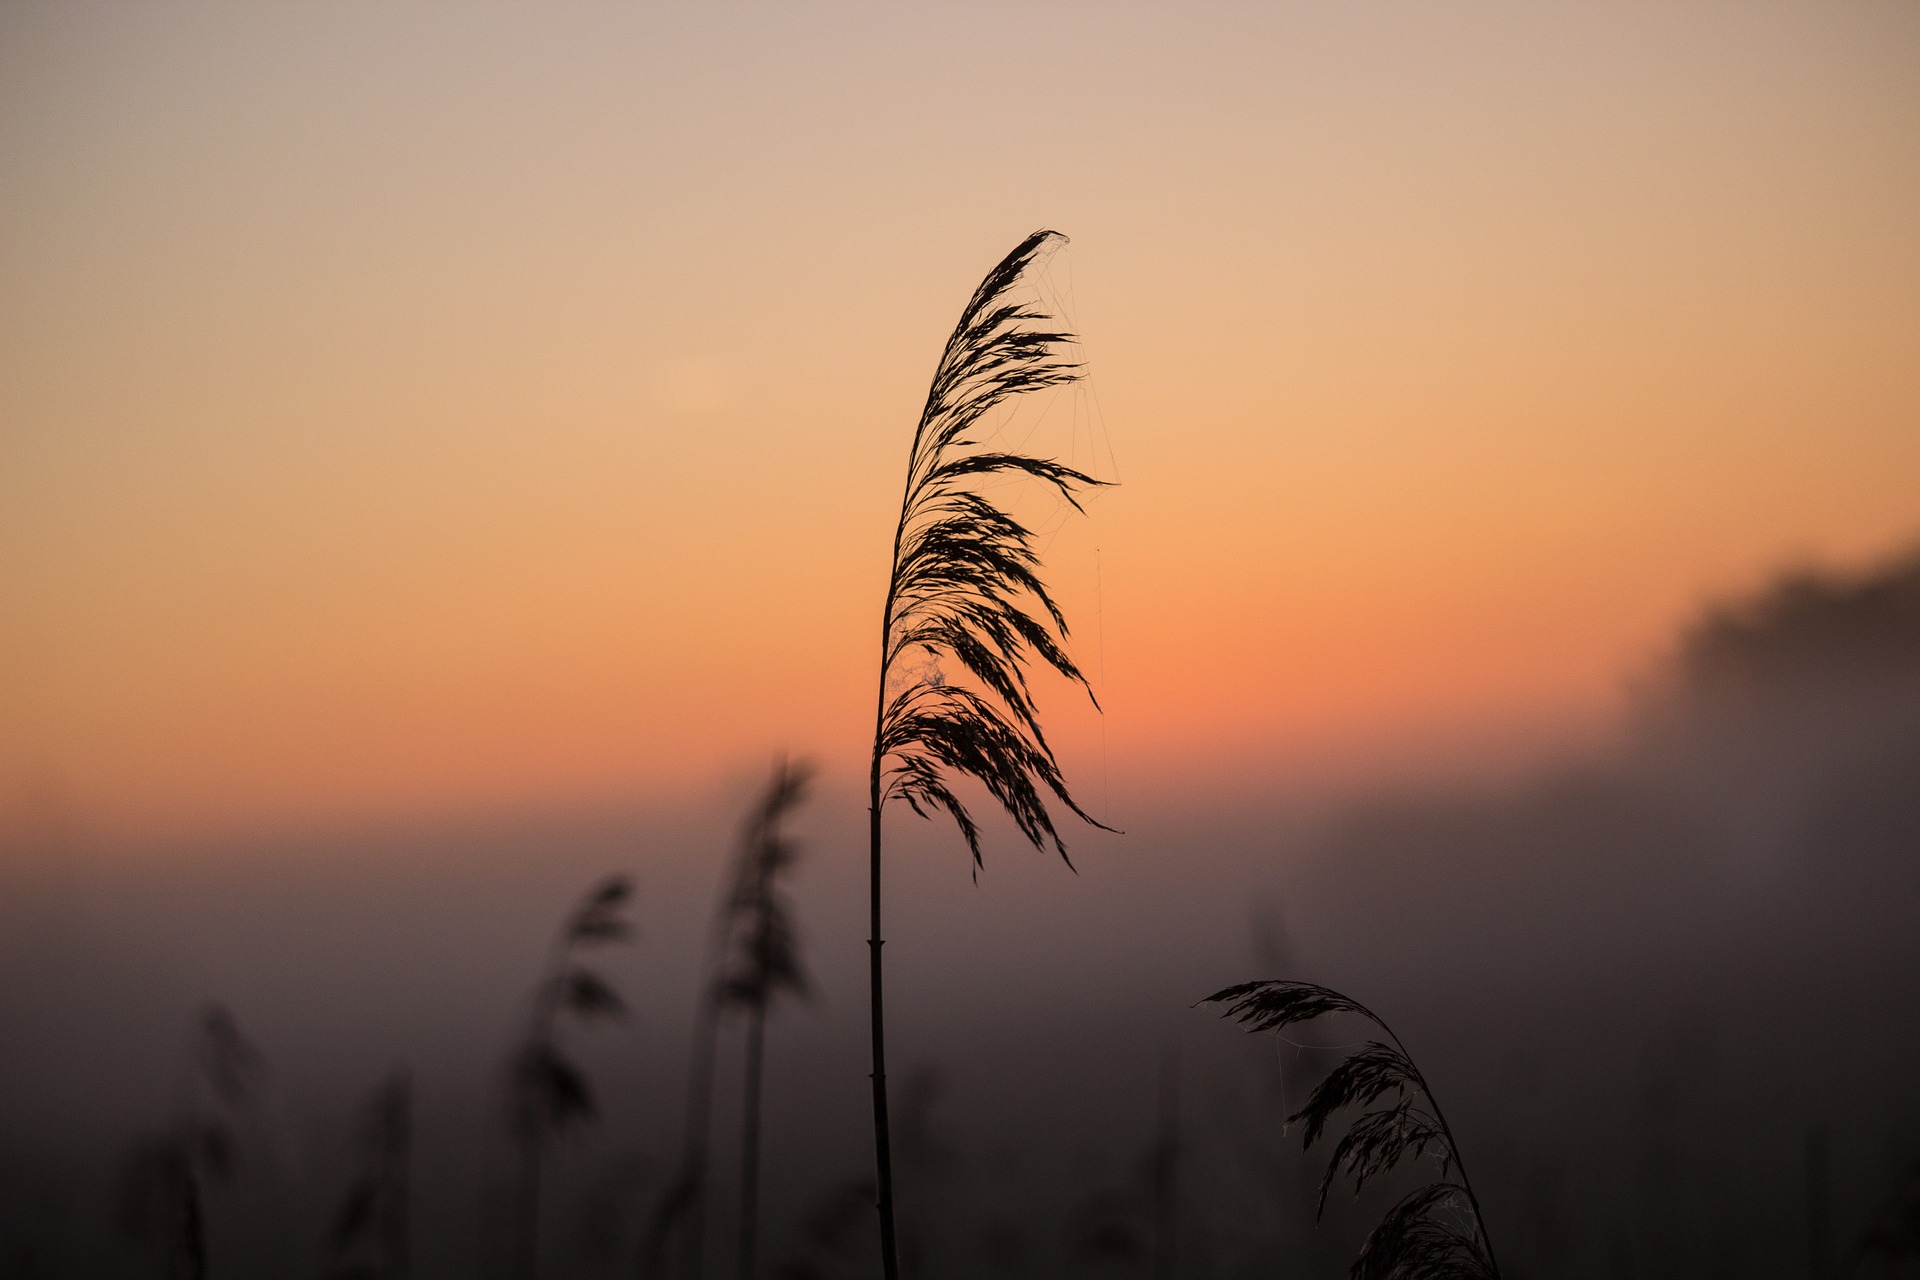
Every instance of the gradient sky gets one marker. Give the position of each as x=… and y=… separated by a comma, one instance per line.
x=411, y=407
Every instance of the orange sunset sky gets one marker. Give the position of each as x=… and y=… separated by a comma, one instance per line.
x=414, y=408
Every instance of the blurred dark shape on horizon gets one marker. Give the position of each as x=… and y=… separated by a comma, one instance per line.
x=1640, y=976
x=1810, y=629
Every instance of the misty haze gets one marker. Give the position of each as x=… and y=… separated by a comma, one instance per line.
x=1668, y=983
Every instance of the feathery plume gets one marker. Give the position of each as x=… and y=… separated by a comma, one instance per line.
x=965, y=602
x=1435, y=1232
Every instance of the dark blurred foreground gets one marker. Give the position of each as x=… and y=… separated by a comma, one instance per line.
x=1669, y=994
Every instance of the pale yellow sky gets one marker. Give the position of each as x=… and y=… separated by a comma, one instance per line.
x=412, y=407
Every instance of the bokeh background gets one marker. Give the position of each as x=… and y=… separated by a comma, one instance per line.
x=447, y=453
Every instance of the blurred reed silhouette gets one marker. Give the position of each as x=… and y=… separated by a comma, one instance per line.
x=163, y=1200
x=1434, y=1232
x=369, y=1236
x=961, y=574
x=763, y=964
x=753, y=957
x=547, y=1092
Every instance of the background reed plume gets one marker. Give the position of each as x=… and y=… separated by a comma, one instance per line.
x=369, y=1238
x=164, y=1192
x=1434, y=1232
x=754, y=956
x=763, y=964
x=963, y=580
x=547, y=1091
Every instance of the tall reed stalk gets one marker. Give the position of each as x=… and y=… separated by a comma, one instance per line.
x=963, y=573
